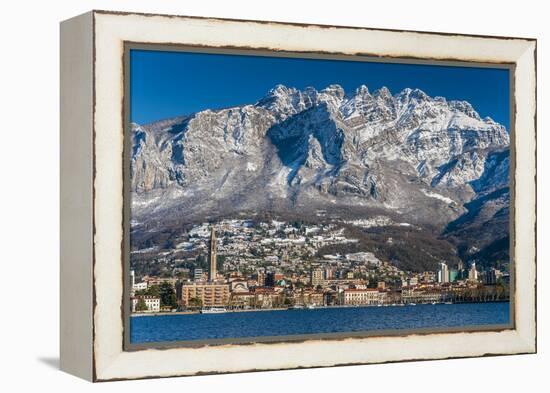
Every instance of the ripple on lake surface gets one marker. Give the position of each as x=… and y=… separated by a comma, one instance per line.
x=147, y=329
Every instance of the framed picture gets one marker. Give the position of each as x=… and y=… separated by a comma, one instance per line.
x=246, y=195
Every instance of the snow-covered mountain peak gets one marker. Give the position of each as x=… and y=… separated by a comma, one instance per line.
x=362, y=91
x=464, y=107
x=324, y=144
x=282, y=90
x=334, y=90
x=412, y=96
x=383, y=93
x=283, y=101
x=298, y=150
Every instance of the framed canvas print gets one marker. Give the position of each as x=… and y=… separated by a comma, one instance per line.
x=246, y=195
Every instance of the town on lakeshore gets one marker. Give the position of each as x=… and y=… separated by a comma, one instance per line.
x=242, y=265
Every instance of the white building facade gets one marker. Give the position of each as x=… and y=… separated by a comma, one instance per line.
x=152, y=303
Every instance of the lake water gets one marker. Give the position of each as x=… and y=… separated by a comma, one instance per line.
x=147, y=329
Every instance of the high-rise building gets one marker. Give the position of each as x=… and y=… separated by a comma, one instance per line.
x=472, y=273
x=492, y=276
x=260, y=278
x=453, y=275
x=443, y=273
x=462, y=272
x=269, y=279
x=197, y=274
x=460, y=266
x=316, y=277
x=212, y=255
x=329, y=273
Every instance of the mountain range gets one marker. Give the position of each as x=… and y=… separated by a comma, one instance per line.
x=430, y=162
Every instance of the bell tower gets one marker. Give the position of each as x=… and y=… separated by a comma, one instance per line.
x=212, y=255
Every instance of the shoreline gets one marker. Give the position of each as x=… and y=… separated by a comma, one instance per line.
x=164, y=313
x=154, y=314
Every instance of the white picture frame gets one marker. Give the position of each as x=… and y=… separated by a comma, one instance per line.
x=92, y=194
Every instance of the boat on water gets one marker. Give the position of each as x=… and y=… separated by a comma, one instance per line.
x=297, y=307
x=412, y=304
x=448, y=302
x=213, y=310
x=311, y=307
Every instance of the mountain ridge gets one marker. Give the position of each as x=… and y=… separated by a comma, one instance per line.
x=409, y=154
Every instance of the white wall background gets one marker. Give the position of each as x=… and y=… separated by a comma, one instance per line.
x=29, y=183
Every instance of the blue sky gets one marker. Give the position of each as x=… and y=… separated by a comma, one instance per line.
x=166, y=84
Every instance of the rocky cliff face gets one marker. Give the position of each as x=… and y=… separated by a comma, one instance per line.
x=427, y=161
x=432, y=163
x=410, y=154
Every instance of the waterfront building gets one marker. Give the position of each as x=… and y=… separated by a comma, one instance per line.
x=312, y=298
x=381, y=285
x=406, y=291
x=360, y=296
x=208, y=294
x=266, y=297
x=382, y=296
x=152, y=303
x=213, y=255
x=421, y=295
x=307, y=297
x=393, y=296
x=242, y=300
x=330, y=297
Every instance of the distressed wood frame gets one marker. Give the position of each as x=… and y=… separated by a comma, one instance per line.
x=92, y=235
